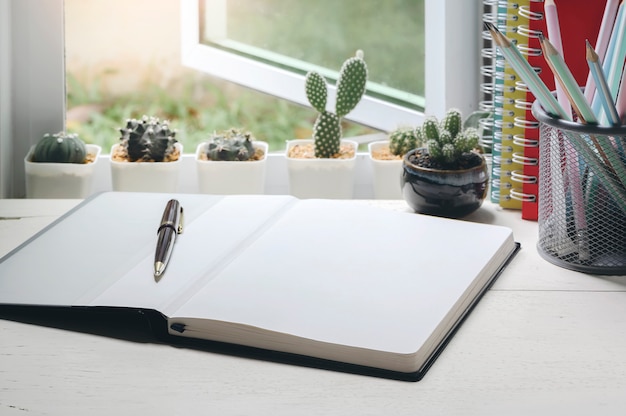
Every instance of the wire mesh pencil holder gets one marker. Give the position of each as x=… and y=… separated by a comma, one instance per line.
x=582, y=195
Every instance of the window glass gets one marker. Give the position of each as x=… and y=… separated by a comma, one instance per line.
x=300, y=35
x=123, y=61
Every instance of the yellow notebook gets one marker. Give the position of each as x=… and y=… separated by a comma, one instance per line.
x=511, y=112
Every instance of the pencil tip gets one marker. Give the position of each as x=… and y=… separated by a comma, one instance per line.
x=591, y=54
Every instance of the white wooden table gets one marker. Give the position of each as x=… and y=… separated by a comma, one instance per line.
x=544, y=340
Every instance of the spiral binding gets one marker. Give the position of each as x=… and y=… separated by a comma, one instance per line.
x=491, y=88
x=520, y=177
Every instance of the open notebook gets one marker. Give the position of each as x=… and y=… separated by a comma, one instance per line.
x=333, y=280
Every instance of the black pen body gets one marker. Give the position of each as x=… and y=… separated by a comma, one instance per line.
x=169, y=228
x=165, y=244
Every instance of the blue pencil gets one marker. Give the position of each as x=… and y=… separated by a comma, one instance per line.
x=604, y=94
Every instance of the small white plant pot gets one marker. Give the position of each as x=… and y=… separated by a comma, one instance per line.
x=232, y=177
x=321, y=178
x=145, y=176
x=60, y=180
x=386, y=174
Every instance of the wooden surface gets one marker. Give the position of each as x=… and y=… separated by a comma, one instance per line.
x=544, y=340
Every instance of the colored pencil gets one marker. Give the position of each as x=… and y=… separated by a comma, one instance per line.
x=568, y=82
x=526, y=73
x=621, y=99
x=602, y=42
x=554, y=33
x=603, y=92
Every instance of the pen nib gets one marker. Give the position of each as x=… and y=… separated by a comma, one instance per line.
x=159, y=268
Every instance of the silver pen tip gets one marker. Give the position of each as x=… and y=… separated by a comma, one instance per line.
x=159, y=268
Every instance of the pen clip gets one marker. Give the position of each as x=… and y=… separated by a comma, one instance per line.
x=181, y=216
x=173, y=216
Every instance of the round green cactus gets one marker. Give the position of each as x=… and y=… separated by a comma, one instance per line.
x=230, y=145
x=403, y=139
x=60, y=148
x=148, y=139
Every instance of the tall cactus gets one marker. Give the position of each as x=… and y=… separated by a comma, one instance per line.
x=350, y=89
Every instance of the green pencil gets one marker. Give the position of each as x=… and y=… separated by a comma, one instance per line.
x=536, y=86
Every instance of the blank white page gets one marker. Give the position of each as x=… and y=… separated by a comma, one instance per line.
x=349, y=274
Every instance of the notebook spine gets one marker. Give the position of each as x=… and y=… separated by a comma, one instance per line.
x=488, y=71
x=525, y=179
x=511, y=112
x=498, y=16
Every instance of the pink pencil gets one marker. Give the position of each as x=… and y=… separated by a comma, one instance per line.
x=554, y=34
x=604, y=35
x=621, y=99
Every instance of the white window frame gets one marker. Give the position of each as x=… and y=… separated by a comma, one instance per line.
x=32, y=75
x=32, y=82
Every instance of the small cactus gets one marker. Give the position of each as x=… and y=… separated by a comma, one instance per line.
x=148, y=140
x=350, y=89
x=403, y=139
x=60, y=148
x=447, y=142
x=230, y=145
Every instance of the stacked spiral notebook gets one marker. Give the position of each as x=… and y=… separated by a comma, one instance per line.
x=514, y=130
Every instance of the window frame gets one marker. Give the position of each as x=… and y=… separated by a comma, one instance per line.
x=32, y=74
x=32, y=83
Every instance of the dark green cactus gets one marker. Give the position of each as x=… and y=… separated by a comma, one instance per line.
x=447, y=141
x=350, y=90
x=403, y=139
x=350, y=84
x=316, y=91
x=60, y=148
x=452, y=122
x=148, y=139
x=230, y=145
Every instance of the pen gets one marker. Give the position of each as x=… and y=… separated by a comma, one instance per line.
x=171, y=225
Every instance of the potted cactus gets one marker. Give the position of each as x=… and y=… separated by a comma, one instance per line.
x=323, y=167
x=386, y=160
x=147, y=158
x=448, y=177
x=60, y=165
x=231, y=162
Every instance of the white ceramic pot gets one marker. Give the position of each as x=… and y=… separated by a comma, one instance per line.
x=386, y=174
x=321, y=178
x=60, y=180
x=232, y=177
x=145, y=176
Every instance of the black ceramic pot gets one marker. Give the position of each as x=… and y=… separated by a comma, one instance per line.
x=445, y=193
